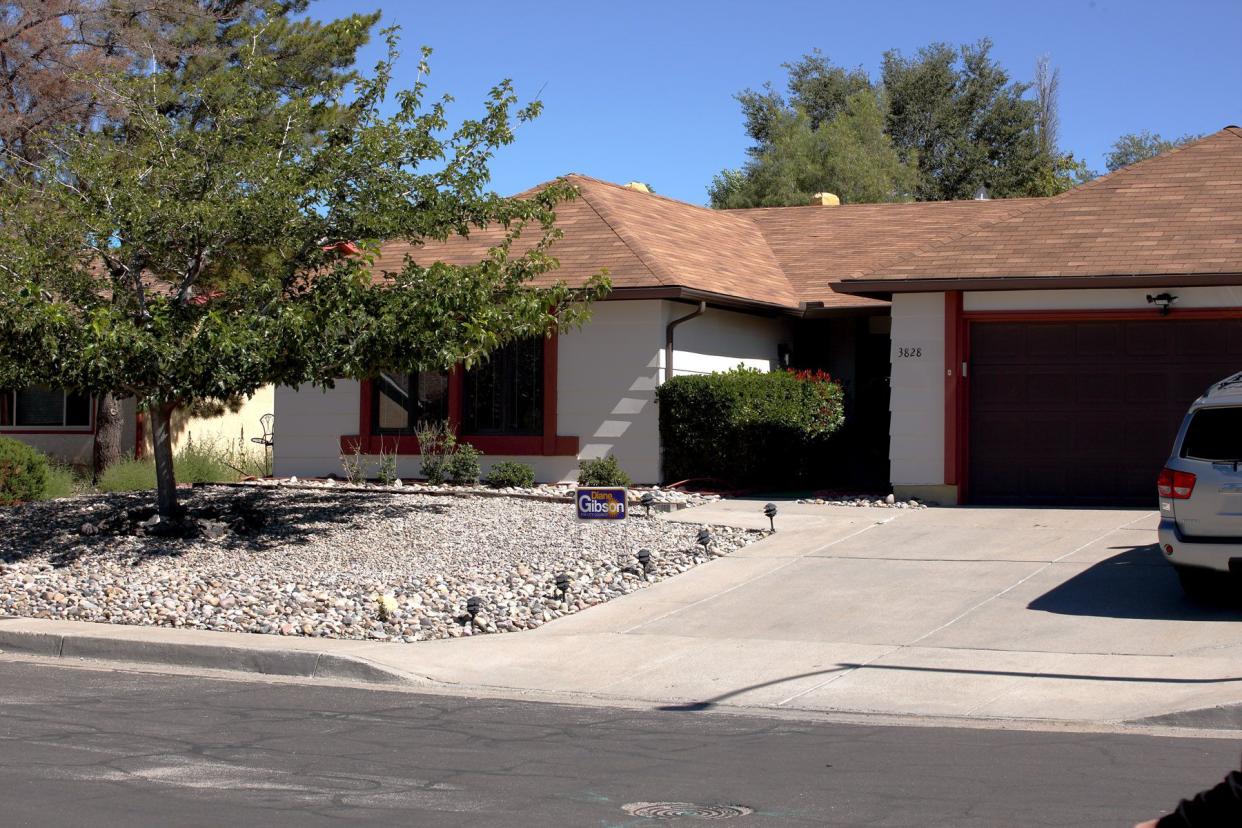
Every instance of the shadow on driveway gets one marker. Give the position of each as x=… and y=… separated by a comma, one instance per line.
x=1138, y=583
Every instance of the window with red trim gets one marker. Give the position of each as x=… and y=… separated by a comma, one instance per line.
x=399, y=402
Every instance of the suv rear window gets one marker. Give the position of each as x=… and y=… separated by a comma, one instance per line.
x=1214, y=434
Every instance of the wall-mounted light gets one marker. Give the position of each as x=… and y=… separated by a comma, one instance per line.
x=1164, y=301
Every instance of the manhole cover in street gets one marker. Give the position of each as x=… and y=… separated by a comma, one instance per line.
x=685, y=810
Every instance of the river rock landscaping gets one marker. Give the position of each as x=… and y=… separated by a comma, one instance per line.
x=341, y=564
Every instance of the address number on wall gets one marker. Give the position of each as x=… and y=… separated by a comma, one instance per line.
x=909, y=353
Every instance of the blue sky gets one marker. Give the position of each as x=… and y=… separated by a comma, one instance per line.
x=644, y=90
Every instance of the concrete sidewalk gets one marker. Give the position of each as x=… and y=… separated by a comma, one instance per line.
x=990, y=614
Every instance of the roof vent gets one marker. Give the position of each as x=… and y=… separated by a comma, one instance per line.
x=638, y=187
x=981, y=194
x=826, y=199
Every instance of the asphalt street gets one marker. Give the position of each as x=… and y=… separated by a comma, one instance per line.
x=102, y=748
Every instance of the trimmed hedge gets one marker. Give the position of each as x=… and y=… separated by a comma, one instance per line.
x=23, y=472
x=604, y=471
x=508, y=473
x=748, y=428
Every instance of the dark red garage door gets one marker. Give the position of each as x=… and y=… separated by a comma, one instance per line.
x=1084, y=413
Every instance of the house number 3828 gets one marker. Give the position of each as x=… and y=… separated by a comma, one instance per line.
x=909, y=353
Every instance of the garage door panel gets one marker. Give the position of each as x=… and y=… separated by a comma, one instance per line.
x=1085, y=412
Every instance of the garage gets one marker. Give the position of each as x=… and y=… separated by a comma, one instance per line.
x=1083, y=411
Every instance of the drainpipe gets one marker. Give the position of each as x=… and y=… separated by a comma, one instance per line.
x=668, y=338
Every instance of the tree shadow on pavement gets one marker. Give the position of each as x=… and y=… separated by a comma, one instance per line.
x=1138, y=583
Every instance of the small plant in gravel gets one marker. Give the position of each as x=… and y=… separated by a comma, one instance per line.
x=129, y=475
x=62, y=481
x=202, y=461
x=23, y=472
x=605, y=471
x=511, y=474
x=462, y=467
x=386, y=473
x=354, y=466
x=436, y=443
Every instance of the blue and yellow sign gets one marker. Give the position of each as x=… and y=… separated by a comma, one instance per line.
x=600, y=503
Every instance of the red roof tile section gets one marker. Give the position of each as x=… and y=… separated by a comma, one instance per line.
x=1176, y=214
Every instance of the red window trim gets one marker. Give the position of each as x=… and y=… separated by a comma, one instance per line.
x=957, y=352
x=547, y=444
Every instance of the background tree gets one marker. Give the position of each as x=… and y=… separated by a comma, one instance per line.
x=52, y=53
x=954, y=115
x=185, y=252
x=848, y=155
x=1139, y=146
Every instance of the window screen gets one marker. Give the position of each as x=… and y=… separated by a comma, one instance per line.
x=504, y=395
x=1214, y=434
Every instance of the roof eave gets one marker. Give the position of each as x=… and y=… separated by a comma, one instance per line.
x=885, y=287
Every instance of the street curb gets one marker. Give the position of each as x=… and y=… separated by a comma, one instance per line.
x=270, y=662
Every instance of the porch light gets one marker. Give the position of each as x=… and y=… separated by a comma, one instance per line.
x=647, y=500
x=1164, y=301
x=770, y=512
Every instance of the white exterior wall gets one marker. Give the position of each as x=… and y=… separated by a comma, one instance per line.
x=916, y=433
x=1099, y=299
x=309, y=425
x=721, y=340
x=607, y=374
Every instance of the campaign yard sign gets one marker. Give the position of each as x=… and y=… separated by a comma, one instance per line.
x=601, y=502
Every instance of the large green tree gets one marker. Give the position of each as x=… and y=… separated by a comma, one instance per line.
x=190, y=250
x=847, y=154
x=1139, y=146
x=953, y=114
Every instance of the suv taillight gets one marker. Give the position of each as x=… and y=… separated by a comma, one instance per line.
x=1178, y=485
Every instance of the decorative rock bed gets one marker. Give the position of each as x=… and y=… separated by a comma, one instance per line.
x=886, y=502
x=334, y=563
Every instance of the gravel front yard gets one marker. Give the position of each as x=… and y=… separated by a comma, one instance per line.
x=340, y=564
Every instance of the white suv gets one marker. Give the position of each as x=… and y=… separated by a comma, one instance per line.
x=1201, y=491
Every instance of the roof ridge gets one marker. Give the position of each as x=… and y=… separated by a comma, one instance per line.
x=629, y=243
x=617, y=186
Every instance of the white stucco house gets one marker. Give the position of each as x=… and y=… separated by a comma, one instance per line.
x=1034, y=350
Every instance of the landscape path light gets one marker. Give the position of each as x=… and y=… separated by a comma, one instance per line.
x=562, y=583
x=770, y=512
x=473, y=605
x=647, y=500
x=705, y=538
x=644, y=560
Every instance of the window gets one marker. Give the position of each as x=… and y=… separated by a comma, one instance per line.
x=504, y=395
x=1214, y=434
x=402, y=401
x=40, y=407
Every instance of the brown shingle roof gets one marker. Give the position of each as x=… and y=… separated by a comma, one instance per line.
x=1178, y=214
x=644, y=240
x=816, y=246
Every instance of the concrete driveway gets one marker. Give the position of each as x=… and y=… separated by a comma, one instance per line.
x=1066, y=615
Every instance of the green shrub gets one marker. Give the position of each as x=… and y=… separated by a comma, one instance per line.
x=463, y=466
x=436, y=443
x=201, y=461
x=605, y=471
x=747, y=427
x=129, y=475
x=23, y=472
x=507, y=474
x=62, y=481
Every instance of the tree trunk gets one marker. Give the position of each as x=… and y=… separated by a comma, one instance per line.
x=161, y=447
x=107, y=448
